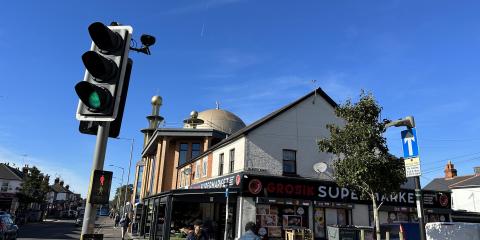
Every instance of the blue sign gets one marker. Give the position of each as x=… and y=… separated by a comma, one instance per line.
x=410, y=143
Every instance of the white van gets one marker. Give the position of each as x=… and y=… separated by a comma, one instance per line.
x=452, y=231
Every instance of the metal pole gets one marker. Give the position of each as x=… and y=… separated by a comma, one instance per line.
x=98, y=161
x=418, y=196
x=120, y=193
x=128, y=175
x=226, y=213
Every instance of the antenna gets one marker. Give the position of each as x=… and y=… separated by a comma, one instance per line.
x=314, y=89
x=320, y=167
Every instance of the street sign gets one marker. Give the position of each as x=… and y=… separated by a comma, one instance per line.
x=412, y=167
x=410, y=143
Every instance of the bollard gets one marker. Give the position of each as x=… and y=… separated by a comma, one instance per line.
x=362, y=234
x=387, y=235
x=400, y=234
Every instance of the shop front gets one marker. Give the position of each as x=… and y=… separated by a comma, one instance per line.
x=283, y=204
x=165, y=215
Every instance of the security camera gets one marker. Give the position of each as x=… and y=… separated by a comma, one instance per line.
x=147, y=40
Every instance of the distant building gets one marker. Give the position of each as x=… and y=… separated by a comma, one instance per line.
x=61, y=201
x=10, y=184
x=465, y=193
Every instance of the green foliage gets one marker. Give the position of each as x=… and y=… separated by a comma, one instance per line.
x=120, y=193
x=363, y=162
x=34, y=187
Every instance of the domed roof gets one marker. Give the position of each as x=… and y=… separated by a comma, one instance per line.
x=220, y=120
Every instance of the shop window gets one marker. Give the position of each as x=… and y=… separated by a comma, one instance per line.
x=182, y=155
x=274, y=219
x=220, y=164
x=232, y=160
x=195, y=150
x=289, y=162
x=204, y=167
x=4, y=187
x=342, y=216
x=319, y=222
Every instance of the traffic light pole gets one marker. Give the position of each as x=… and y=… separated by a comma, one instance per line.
x=98, y=161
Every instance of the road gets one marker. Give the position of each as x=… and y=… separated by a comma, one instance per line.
x=65, y=229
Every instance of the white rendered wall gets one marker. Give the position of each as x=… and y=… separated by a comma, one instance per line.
x=467, y=199
x=298, y=128
x=239, y=146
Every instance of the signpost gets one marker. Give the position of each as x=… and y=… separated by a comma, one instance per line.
x=410, y=143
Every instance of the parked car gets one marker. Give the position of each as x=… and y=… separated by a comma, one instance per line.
x=8, y=229
x=79, y=220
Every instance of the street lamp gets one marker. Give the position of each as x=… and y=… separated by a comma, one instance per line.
x=129, y=167
x=409, y=122
x=123, y=171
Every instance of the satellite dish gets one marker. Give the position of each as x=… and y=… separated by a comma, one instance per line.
x=320, y=167
x=187, y=171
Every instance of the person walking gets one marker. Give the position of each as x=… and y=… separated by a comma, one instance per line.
x=117, y=219
x=124, y=223
x=250, y=232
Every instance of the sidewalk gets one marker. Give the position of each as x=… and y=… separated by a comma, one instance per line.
x=106, y=227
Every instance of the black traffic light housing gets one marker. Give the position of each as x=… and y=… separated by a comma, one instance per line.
x=100, y=188
x=91, y=127
x=102, y=88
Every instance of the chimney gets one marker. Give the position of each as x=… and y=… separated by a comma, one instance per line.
x=67, y=187
x=25, y=170
x=477, y=171
x=450, y=171
x=61, y=183
x=57, y=180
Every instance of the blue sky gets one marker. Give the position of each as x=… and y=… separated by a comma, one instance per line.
x=418, y=58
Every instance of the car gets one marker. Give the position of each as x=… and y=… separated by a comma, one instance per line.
x=79, y=220
x=8, y=229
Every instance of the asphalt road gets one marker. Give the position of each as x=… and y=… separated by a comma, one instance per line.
x=50, y=229
x=65, y=229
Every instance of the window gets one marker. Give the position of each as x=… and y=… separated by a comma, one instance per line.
x=289, y=161
x=220, y=165
x=197, y=169
x=195, y=149
x=139, y=184
x=4, y=187
x=232, y=160
x=204, y=167
x=182, y=156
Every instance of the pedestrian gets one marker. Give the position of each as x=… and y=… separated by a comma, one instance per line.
x=124, y=223
x=188, y=230
x=250, y=232
x=117, y=219
x=199, y=232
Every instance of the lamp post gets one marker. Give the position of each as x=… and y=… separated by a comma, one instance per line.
x=226, y=184
x=409, y=122
x=129, y=167
x=123, y=171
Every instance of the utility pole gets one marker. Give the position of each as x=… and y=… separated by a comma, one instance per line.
x=226, y=210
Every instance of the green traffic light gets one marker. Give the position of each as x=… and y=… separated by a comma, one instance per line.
x=94, y=100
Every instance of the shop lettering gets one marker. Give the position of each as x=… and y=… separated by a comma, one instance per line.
x=218, y=183
x=339, y=193
x=290, y=189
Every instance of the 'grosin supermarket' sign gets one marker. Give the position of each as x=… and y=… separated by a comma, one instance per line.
x=264, y=186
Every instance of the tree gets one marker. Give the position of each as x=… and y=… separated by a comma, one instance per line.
x=362, y=161
x=120, y=196
x=34, y=186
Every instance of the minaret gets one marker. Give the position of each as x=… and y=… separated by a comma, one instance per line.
x=153, y=120
x=193, y=121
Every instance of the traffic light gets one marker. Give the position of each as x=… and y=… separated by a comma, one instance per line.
x=100, y=91
x=100, y=188
x=91, y=127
